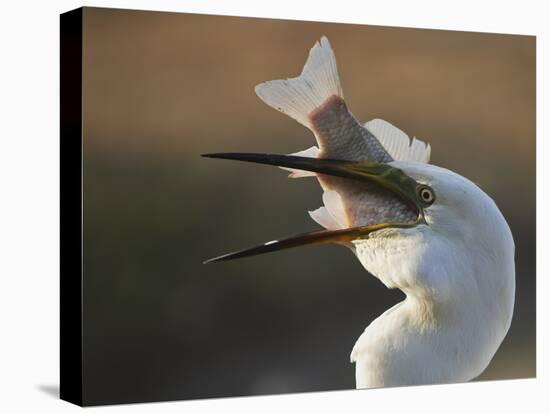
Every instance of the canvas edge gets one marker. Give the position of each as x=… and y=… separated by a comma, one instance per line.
x=71, y=386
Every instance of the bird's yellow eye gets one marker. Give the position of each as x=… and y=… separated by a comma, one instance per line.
x=426, y=195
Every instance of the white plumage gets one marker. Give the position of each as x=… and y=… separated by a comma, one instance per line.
x=458, y=274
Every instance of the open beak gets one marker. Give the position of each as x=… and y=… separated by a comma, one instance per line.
x=384, y=175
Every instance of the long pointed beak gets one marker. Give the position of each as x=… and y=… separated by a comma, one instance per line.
x=385, y=175
x=304, y=239
x=348, y=169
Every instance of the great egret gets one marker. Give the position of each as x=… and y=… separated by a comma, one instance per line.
x=419, y=228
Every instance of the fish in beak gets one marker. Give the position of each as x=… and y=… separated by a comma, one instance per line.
x=410, y=193
x=363, y=193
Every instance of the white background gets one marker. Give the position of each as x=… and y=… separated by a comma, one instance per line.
x=29, y=207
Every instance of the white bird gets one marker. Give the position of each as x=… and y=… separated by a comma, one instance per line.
x=419, y=228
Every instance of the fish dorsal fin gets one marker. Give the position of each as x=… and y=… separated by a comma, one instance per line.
x=397, y=143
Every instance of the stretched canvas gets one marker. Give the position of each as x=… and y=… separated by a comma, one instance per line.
x=401, y=250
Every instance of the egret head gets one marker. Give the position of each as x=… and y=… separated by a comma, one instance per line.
x=460, y=245
x=455, y=208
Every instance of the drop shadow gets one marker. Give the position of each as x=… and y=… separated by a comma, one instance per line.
x=49, y=389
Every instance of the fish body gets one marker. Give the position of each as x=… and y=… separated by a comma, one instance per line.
x=316, y=100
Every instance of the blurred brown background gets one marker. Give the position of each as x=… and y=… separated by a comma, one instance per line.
x=162, y=88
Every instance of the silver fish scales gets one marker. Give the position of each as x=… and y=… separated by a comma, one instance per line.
x=340, y=136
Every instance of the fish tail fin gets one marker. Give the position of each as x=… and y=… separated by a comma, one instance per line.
x=298, y=97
